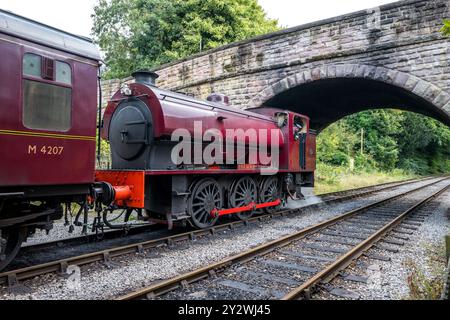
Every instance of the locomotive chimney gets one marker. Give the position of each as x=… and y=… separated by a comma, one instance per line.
x=146, y=77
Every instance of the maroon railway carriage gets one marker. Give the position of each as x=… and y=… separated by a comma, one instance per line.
x=139, y=122
x=48, y=103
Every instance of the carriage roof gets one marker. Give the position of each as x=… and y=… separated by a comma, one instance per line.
x=27, y=29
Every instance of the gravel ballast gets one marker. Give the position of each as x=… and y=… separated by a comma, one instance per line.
x=389, y=280
x=98, y=282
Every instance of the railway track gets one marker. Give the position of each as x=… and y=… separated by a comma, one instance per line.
x=292, y=267
x=89, y=238
x=12, y=277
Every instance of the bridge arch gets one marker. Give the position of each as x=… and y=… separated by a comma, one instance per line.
x=331, y=92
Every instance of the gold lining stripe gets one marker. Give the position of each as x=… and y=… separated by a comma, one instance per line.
x=46, y=135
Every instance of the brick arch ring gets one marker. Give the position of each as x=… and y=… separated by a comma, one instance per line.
x=424, y=89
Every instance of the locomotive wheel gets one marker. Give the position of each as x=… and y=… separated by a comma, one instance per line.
x=205, y=197
x=242, y=193
x=270, y=191
x=11, y=239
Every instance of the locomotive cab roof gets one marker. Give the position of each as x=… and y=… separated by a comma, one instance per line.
x=30, y=30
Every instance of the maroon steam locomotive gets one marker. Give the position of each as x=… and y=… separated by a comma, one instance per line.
x=158, y=139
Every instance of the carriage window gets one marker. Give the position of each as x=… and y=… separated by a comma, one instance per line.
x=46, y=106
x=32, y=65
x=63, y=72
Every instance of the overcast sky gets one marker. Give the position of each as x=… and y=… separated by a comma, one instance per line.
x=75, y=15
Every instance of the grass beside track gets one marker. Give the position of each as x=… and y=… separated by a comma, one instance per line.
x=332, y=179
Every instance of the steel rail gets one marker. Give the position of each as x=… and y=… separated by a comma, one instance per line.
x=90, y=238
x=14, y=276
x=345, y=260
x=183, y=280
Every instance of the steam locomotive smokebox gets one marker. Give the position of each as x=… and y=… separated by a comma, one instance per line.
x=131, y=135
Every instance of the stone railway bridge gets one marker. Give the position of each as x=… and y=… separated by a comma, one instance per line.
x=389, y=56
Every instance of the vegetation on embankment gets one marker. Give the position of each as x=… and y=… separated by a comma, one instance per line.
x=426, y=279
x=332, y=178
x=378, y=146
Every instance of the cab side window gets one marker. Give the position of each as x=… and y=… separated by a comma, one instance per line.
x=47, y=93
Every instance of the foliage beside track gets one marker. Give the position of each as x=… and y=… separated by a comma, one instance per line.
x=392, y=139
x=336, y=178
x=396, y=145
x=426, y=281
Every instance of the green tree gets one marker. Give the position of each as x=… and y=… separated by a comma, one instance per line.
x=393, y=140
x=382, y=130
x=335, y=145
x=418, y=132
x=136, y=34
